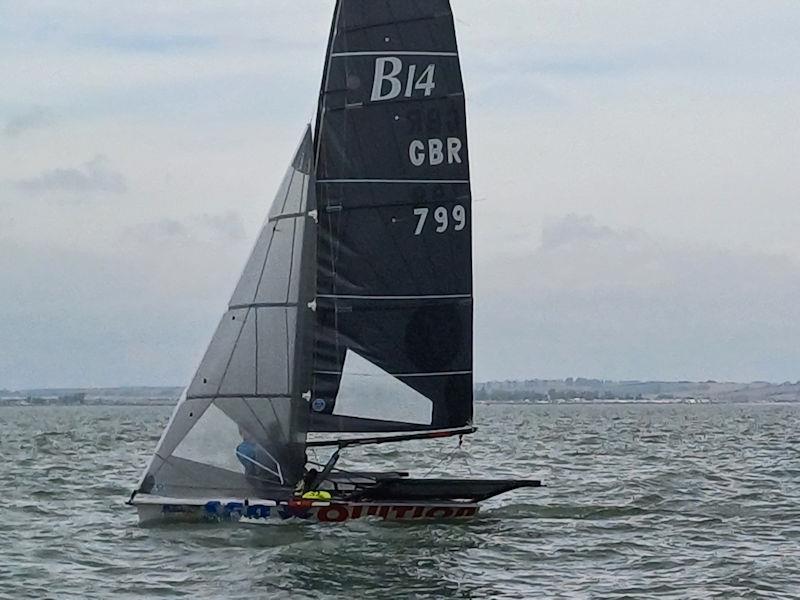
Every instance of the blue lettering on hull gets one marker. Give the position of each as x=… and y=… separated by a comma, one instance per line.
x=234, y=511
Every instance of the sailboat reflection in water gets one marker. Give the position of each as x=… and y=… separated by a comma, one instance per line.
x=352, y=321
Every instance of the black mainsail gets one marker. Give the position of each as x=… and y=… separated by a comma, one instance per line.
x=393, y=347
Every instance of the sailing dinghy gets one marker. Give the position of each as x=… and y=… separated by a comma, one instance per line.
x=352, y=321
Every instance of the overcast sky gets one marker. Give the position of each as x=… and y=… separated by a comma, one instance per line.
x=635, y=171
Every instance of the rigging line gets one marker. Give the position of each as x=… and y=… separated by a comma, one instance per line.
x=283, y=433
x=448, y=457
x=390, y=439
x=467, y=463
x=278, y=474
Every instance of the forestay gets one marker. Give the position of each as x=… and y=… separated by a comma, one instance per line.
x=393, y=347
x=242, y=422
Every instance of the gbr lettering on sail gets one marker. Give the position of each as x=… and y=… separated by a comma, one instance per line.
x=394, y=79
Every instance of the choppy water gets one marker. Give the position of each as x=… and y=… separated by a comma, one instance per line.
x=645, y=501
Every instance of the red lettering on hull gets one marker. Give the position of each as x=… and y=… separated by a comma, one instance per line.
x=337, y=513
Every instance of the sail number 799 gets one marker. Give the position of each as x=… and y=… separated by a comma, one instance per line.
x=442, y=218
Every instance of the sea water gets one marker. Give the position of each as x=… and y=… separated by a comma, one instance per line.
x=643, y=501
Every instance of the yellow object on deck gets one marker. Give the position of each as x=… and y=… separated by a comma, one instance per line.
x=317, y=496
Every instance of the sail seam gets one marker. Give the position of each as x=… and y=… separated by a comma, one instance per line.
x=265, y=305
x=396, y=53
x=440, y=374
x=282, y=217
x=430, y=297
x=453, y=181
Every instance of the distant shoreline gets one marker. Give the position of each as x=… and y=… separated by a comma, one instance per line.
x=531, y=391
x=598, y=390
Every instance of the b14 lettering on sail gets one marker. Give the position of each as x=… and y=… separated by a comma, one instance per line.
x=391, y=70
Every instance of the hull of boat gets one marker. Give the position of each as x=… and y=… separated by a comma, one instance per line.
x=253, y=512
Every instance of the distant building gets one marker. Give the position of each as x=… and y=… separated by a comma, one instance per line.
x=77, y=398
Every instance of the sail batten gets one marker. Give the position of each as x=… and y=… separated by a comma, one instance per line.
x=394, y=53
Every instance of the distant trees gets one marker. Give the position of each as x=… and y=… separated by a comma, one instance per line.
x=528, y=391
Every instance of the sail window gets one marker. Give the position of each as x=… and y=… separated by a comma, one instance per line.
x=212, y=441
x=369, y=392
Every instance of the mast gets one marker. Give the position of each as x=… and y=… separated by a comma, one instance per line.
x=325, y=71
x=393, y=339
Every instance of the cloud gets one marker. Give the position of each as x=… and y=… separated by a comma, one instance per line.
x=574, y=228
x=34, y=118
x=228, y=225
x=149, y=42
x=162, y=229
x=222, y=227
x=598, y=301
x=91, y=177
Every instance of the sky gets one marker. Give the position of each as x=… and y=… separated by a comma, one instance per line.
x=635, y=177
